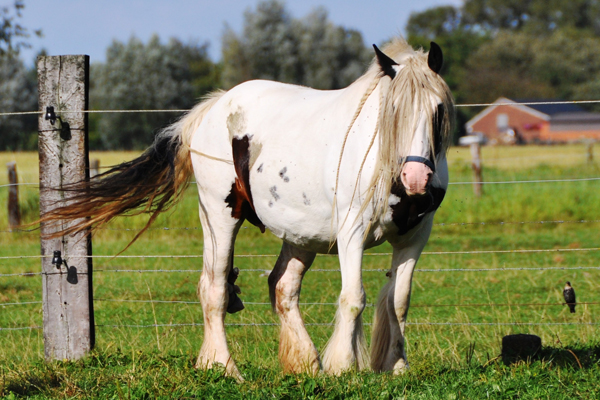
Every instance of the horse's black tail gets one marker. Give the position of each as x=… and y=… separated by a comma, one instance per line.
x=156, y=179
x=151, y=183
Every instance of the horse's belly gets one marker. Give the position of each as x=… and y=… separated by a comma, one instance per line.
x=298, y=217
x=290, y=201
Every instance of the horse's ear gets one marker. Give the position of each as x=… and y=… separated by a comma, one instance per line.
x=435, y=59
x=385, y=63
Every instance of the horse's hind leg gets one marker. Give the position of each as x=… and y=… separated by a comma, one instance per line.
x=297, y=353
x=219, y=230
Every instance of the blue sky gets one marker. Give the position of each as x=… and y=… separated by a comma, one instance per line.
x=89, y=26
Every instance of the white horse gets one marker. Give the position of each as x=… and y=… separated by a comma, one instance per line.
x=326, y=171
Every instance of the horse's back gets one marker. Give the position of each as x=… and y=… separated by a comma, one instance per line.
x=289, y=138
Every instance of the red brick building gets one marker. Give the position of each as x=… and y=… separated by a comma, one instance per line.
x=507, y=121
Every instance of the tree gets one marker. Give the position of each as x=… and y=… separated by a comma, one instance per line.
x=504, y=67
x=533, y=16
x=570, y=64
x=434, y=22
x=311, y=51
x=521, y=66
x=18, y=92
x=18, y=86
x=138, y=76
x=266, y=50
x=329, y=56
x=12, y=33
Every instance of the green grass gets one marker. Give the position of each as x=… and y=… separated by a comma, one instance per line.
x=143, y=374
x=149, y=362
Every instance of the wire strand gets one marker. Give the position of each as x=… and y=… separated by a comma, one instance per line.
x=451, y=183
x=335, y=304
x=430, y=253
x=442, y=224
x=20, y=304
x=330, y=324
x=531, y=181
x=16, y=113
x=264, y=271
x=528, y=103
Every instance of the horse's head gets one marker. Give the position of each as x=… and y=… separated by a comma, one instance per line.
x=416, y=115
x=420, y=164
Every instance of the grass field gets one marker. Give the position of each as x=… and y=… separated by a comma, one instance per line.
x=460, y=309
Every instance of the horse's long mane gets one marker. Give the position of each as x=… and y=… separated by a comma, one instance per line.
x=403, y=101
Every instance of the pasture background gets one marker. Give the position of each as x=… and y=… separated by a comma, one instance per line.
x=447, y=361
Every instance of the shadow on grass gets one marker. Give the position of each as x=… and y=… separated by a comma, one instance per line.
x=582, y=356
x=30, y=383
x=578, y=356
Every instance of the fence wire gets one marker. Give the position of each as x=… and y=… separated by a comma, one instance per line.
x=529, y=181
x=336, y=270
x=451, y=183
x=328, y=324
x=17, y=113
x=428, y=253
x=308, y=304
x=442, y=224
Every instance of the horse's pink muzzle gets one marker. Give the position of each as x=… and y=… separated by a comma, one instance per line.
x=415, y=177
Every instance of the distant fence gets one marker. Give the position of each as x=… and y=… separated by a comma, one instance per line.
x=69, y=328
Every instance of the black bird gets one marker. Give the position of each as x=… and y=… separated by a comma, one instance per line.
x=569, y=295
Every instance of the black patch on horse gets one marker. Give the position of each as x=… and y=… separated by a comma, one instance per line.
x=438, y=125
x=240, y=196
x=235, y=303
x=410, y=210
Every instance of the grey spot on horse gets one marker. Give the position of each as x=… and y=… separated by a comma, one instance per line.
x=273, y=190
x=270, y=203
x=306, y=199
x=259, y=169
x=283, y=176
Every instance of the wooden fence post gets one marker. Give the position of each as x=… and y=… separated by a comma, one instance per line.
x=476, y=165
x=63, y=85
x=14, y=211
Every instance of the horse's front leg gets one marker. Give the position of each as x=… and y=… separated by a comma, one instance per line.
x=387, y=344
x=347, y=348
x=297, y=353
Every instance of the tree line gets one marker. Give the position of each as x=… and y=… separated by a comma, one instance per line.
x=521, y=49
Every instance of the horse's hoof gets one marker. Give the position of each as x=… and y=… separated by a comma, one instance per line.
x=229, y=370
x=401, y=367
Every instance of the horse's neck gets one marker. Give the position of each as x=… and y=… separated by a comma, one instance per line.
x=360, y=99
x=360, y=87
